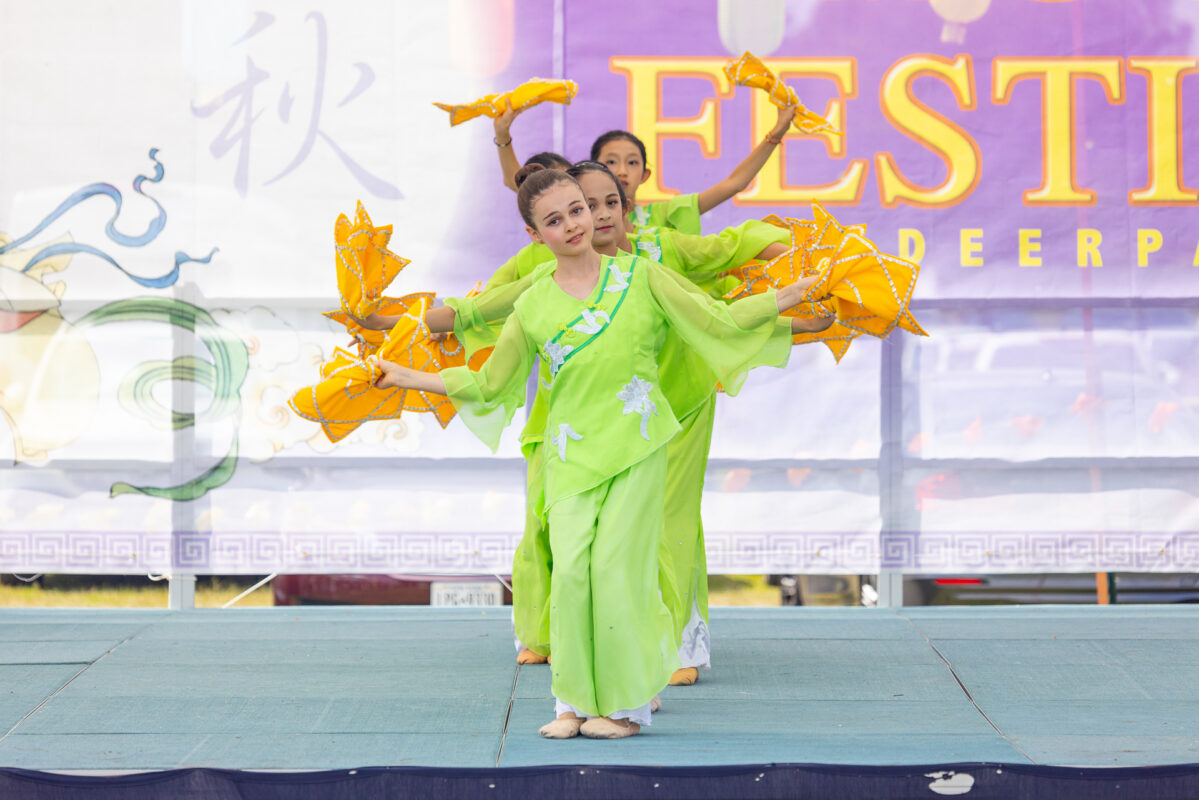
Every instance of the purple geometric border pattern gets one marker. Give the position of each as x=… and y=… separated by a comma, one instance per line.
x=257, y=552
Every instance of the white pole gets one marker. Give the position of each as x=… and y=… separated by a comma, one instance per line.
x=181, y=592
x=890, y=588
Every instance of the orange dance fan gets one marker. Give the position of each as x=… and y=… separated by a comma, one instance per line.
x=529, y=93
x=367, y=340
x=869, y=291
x=365, y=267
x=347, y=395
x=751, y=72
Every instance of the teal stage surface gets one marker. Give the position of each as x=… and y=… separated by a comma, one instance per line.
x=314, y=688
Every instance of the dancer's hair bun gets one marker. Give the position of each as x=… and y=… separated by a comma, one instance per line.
x=524, y=172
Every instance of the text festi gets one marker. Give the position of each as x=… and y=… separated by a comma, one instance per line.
x=1057, y=76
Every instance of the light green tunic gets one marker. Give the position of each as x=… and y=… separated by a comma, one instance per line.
x=679, y=213
x=606, y=413
x=689, y=386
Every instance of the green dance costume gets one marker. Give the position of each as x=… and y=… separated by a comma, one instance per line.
x=689, y=386
x=607, y=422
x=679, y=213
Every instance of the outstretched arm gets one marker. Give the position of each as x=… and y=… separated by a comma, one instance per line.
x=772, y=251
x=399, y=377
x=811, y=324
x=503, y=144
x=439, y=320
x=793, y=294
x=796, y=293
x=744, y=172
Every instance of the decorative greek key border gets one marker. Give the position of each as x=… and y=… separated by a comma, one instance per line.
x=488, y=553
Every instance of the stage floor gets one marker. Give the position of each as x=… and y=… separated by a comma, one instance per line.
x=313, y=688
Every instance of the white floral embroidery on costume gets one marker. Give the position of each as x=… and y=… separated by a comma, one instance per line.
x=565, y=434
x=635, y=395
x=641, y=216
x=650, y=249
x=620, y=280
x=557, y=354
x=591, y=323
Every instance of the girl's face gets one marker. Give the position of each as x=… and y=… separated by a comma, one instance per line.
x=563, y=220
x=624, y=159
x=603, y=199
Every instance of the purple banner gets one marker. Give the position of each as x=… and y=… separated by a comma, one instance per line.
x=1024, y=148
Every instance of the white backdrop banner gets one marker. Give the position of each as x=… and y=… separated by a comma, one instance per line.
x=170, y=174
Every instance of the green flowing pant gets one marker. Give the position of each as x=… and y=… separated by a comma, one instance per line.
x=682, y=564
x=682, y=559
x=610, y=633
x=532, y=564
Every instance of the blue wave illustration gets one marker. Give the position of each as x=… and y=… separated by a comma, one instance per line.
x=126, y=240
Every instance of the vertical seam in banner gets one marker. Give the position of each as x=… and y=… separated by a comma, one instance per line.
x=559, y=68
x=890, y=463
x=184, y=514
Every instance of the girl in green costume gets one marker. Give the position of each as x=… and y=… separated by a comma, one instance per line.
x=625, y=154
x=687, y=382
x=598, y=323
x=691, y=389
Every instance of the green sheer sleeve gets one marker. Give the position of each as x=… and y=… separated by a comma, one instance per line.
x=730, y=338
x=478, y=320
x=523, y=263
x=487, y=399
x=680, y=213
x=704, y=257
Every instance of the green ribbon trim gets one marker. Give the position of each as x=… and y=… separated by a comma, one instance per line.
x=593, y=306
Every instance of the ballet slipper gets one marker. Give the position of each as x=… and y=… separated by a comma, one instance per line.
x=655, y=705
x=684, y=677
x=528, y=656
x=605, y=728
x=564, y=727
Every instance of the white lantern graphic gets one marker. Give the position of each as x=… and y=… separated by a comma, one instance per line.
x=754, y=25
x=957, y=14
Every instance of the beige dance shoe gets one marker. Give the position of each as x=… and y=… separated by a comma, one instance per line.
x=684, y=677
x=528, y=656
x=564, y=727
x=604, y=728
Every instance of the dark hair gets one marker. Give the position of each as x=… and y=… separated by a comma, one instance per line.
x=548, y=160
x=612, y=136
x=580, y=167
x=532, y=181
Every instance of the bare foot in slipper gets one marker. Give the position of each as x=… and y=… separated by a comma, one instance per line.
x=684, y=677
x=605, y=728
x=527, y=656
x=655, y=705
x=564, y=727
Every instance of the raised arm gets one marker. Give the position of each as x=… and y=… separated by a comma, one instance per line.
x=503, y=144
x=744, y=172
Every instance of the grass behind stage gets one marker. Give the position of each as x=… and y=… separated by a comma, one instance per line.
x=78, y=591
x=88, y=591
